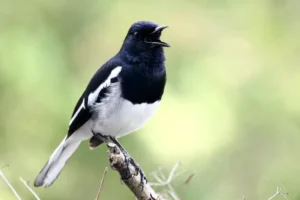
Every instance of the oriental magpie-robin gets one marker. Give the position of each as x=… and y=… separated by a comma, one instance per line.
x=119, y=99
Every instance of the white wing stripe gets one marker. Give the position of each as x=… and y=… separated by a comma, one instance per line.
x=77, y=112
x=93, y=96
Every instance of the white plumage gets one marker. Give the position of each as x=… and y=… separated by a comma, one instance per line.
x=117, y=116
x=93, y=96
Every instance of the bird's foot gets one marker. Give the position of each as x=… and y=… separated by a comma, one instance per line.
x=99, y=136
x=139, y=171
x=129, y=160
x=97, y=139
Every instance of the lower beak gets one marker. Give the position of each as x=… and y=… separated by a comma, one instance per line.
x=160, y=43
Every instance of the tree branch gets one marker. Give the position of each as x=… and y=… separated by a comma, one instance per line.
x=167, y=181
x=163, y=181
x=30, y=189
x=117, y=162
x=10, y=186
x=101, y=183
x=278, y=192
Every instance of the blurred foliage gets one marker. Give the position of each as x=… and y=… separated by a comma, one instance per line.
x=230, y=112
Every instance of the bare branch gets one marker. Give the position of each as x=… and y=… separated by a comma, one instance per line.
x=101, y=183
x=10, y=186
x=157, y=178
x=278, y=192
x=117, y=162
x=29, y=188
x=170, y=177
x=173, y=194
x=188, y=180
x=161, y=173
x=162, y=181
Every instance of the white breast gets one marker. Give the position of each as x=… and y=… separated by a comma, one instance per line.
x=117, y=116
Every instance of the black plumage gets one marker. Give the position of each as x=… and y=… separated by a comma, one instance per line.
x=143, y=76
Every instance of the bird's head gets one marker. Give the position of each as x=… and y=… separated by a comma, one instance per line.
x=144, y=36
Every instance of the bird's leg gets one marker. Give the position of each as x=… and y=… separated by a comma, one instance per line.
x=96, y=140
x=99, y=136
x=129, y=159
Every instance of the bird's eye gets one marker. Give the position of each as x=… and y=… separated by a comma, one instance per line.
x=136, y=34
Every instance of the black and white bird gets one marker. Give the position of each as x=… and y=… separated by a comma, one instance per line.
x=119, y=99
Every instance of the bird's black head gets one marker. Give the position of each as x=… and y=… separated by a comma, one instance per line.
x=144, y=38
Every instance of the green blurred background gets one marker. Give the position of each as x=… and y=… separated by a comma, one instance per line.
x=230, y=112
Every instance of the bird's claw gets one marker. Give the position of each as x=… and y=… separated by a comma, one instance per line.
x=129, y=160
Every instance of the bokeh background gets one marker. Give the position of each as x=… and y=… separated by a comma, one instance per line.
x=230, y=112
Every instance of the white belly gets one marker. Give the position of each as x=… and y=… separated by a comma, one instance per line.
x=117, y=116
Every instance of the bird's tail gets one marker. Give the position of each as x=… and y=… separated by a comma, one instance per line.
x=56, y=163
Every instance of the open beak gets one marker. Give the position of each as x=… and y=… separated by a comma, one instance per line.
x=159, y=28
x=154, y=37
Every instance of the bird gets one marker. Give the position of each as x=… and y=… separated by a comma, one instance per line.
x=120, y=98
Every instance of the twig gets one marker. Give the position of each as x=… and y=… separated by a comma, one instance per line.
x=29, y=188
x=170, y=177
x=188, y=180
x=278, y=192
x=173, y=194
x=10, y=186
x=161, y=173
x=5, y=166
x=101, y=183
x=161, y=181
x=117, y=162
x=187, y=183
x=157, y=178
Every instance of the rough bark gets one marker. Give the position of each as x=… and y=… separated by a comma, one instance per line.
x=117, y=162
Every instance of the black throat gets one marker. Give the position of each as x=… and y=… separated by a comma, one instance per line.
x=143, y=75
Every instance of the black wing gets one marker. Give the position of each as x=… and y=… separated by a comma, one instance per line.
x=82, y=112
x=80, y=116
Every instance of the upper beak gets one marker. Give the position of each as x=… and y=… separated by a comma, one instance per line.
x=157, y=41
x=160, y=28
